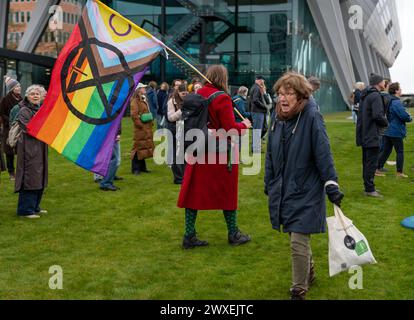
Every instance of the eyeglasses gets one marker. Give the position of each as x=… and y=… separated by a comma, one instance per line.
x=287, y=94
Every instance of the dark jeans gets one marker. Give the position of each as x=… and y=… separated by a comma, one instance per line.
x=113, y=167
x=138, y=166
x=29, y=202
x=10, y=163
x=389, y=144
x=370, y=164
x=177, y=168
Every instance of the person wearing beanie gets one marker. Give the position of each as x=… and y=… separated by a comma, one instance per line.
x=12, y=98
x=371, y=121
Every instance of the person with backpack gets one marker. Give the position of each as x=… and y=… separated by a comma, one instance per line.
x=371, y=120
x=176, y=125
x=213, y=186
x=32, y=159
x=12, y=98
x=396, y=132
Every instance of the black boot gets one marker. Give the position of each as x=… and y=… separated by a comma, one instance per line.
x=297, y=294
x=193, y=242
x=238, y=238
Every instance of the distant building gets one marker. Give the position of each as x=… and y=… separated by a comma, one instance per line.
x=338, y=41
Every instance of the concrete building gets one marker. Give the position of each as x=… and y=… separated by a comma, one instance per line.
x=339, y=41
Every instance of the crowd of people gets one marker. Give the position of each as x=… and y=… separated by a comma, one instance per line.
x=299, y=170
x=381, y=120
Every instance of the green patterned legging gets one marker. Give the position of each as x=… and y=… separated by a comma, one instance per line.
x=191, y=217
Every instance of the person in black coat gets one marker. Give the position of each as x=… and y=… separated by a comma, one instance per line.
x=258, y=111
x=299, y=173
x=162, y=96
x=371, y=121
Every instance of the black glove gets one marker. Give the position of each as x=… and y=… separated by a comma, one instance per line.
x=334, y=194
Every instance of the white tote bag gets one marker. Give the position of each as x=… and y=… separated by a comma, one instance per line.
x=347, y=245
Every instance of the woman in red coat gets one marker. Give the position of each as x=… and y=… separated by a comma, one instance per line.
x=214, y=186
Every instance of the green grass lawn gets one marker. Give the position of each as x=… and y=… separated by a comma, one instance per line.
x=127, y=245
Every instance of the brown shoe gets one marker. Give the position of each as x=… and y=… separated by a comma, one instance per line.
x=401, y=175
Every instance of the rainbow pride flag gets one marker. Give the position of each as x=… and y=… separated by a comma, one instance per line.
x=92, y=82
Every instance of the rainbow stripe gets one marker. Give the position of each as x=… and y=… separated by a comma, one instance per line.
x=92, y=83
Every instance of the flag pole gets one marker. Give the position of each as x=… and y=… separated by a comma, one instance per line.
x=186, y=62
x=196, y=70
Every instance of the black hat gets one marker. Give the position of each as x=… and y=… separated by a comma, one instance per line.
x=260, y=78
x=375, y=79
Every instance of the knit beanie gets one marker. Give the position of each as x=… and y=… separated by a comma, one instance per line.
x=10, y=83
x=375, y=79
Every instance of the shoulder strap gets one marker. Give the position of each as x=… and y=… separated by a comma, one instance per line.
x=214, y=96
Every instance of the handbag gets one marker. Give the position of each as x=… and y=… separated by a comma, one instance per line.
x=14, y=135
x=146, y=117
x=348, y=247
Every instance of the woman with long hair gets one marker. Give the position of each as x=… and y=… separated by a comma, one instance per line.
x=176, y=125
x=214, y=186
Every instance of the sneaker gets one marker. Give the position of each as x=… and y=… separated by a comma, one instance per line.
x=401, y=175
x=374, y=194
x=41, y=212
x=238, y=238
x=297, y=294
x=392, y=163
x=109, y=188
x=383, y=170
x=32, y=216
x=12, y=177
x=192, y=242
x=378, y=173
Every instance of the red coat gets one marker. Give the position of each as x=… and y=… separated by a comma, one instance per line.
x=212, y=186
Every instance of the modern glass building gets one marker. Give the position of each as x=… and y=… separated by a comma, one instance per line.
x=338, y=41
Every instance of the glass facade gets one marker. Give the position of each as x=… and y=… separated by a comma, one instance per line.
x=250, y=37
x=310, y=59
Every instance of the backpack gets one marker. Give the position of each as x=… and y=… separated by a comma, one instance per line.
x=14, y=135
x=195, y=116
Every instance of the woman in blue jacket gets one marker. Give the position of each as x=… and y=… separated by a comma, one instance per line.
x=397, y=131
x=300, y=172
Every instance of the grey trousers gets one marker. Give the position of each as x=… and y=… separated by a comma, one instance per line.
x=301, y=260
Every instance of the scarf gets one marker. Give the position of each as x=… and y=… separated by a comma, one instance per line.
x=298, y=108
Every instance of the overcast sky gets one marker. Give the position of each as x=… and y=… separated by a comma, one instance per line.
x=403, y=69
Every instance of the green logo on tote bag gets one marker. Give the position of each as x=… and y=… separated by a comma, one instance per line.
x=361, y=248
